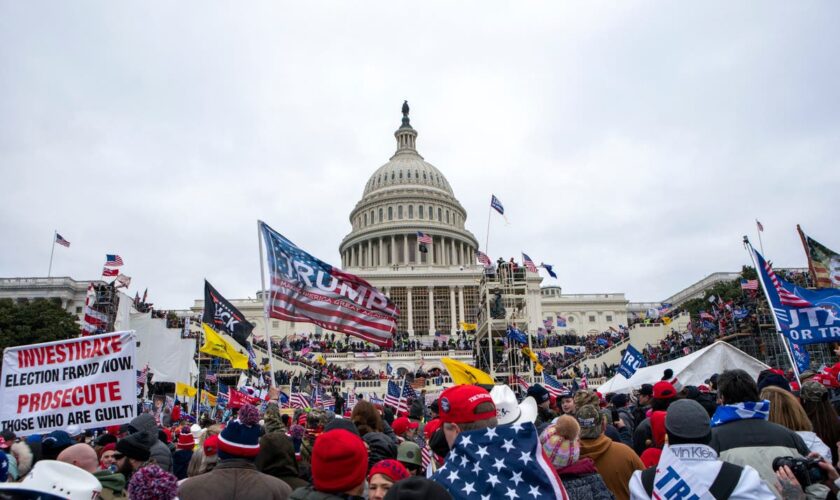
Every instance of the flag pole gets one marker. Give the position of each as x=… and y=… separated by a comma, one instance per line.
x=52, y=252
x=198, y=378
x=487, y=234
x=758, y=229
x=265, y=304
x=785, y=343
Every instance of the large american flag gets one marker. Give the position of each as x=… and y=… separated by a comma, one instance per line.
x=786, y=297
x=394, y=398
x=499, y=462
x=408, y=391
x=305, y=289
x=529, y=264
x=61, y=241
x=299, y=400
x=483, y=258
x=424, y=238
x=113, y=260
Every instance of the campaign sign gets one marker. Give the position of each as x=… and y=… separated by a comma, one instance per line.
x=89, y=382
x=632, y=361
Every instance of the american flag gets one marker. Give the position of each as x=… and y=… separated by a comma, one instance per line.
x=522, y=382
x=483, y=258
x=61, y=241
x=553, y=386
x=141, y=375
x=210, y=377
x=499, y=462
x=395, y=399
x=316, y=397
x=426, y=456
x=497, y=204
x=223, y=395
x=424, y=238
x=328, y=401
x=749, y=284
x=759, y=225
x=113, y=260
x=328, y=297
x=529, y=264
x=584, y=383
x=299, y=400
x=408, y=391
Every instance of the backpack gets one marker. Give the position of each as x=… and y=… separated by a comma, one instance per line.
x=722, y=487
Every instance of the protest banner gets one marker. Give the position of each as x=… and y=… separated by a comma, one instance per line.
x=89, y=382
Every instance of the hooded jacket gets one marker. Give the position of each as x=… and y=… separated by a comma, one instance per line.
x=702, y=463
x=615, y=461
x=277, y=458
x=160, y=452
x=582, y=481
x=380, y=447
x=234, y=478
x=113, y=484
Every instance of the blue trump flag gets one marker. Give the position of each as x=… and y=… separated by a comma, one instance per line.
x=516, y=335
x=801, y=357
x=631, y=361
x=803, y=316
x=602, y=342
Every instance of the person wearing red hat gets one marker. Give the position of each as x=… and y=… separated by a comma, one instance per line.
x=466, y=408
x=664, y=393
x=405, y=429
x=183, y=453
x=383, y=475
x=339, y=467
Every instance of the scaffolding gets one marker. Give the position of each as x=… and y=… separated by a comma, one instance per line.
x=107, y=303
x=502, y=295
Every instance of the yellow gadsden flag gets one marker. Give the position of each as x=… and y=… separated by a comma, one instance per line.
x=463, y=373
x=186, y=390
x=208, y=399
x=215, y=345
x=468, y=327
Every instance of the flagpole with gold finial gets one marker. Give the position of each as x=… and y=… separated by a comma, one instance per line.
x=265, y=304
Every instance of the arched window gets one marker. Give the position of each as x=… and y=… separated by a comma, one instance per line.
x=399, y=212
x=411, y=211
x=447, y=216
x=424, y=176
x=400, y=174
x=420, y=211
x=365, y=219
x=390, y=213
x=380, y=215
x=371, y=216
x=431, y=213
x=440, y=215
x=408, y=172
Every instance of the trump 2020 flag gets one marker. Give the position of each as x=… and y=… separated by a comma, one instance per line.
x=801, y=356
x=499, y=462
x=803, y=316
x=305, y=289
x=631, y=361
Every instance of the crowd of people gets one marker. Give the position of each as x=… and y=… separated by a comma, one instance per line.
x=734, y=436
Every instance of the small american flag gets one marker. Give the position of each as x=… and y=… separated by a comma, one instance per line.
x=529, y=264
x=426, y=456
x=394, y=398
x=749, y=284
x=584, y=383
x=141, y=375
x=424, y=238
x=210, y=377
x=522, y=382
x=61, y=241
x=113, y=260
x=553, y=386
x=408, y=391
x=299, y=400
x=483, y=258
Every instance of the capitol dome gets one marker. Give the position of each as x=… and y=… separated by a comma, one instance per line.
x=405, y=196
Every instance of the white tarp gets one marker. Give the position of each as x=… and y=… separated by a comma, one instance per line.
x=169, y=356
x=693, y=369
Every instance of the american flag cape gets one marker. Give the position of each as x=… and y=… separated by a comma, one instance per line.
x=305, y=289
x=499, y=462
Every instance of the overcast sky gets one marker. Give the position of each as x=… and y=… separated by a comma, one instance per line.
x=633, y=144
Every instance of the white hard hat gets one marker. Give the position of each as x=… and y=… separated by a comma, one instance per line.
x=62, y=480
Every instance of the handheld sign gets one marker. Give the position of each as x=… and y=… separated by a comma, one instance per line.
x=90, y=382
x=632, y=361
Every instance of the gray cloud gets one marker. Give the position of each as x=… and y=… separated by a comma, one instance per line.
x=632, y=145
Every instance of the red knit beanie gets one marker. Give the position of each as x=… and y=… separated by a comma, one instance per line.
x=339, y=461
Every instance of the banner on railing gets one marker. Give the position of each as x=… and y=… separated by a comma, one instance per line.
x=90, y=382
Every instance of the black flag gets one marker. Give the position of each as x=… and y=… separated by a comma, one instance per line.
x=221, y=314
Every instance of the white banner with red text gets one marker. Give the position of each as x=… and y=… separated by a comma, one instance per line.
x=90, y=382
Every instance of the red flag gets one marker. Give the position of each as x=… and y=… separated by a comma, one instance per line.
x=110, y=272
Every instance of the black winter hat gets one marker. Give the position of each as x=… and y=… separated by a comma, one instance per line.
x=133, y=446
x=539, y=393
x=419, y=488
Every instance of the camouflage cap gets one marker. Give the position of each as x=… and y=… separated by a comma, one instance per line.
x=812, y=391
x=590, y=420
